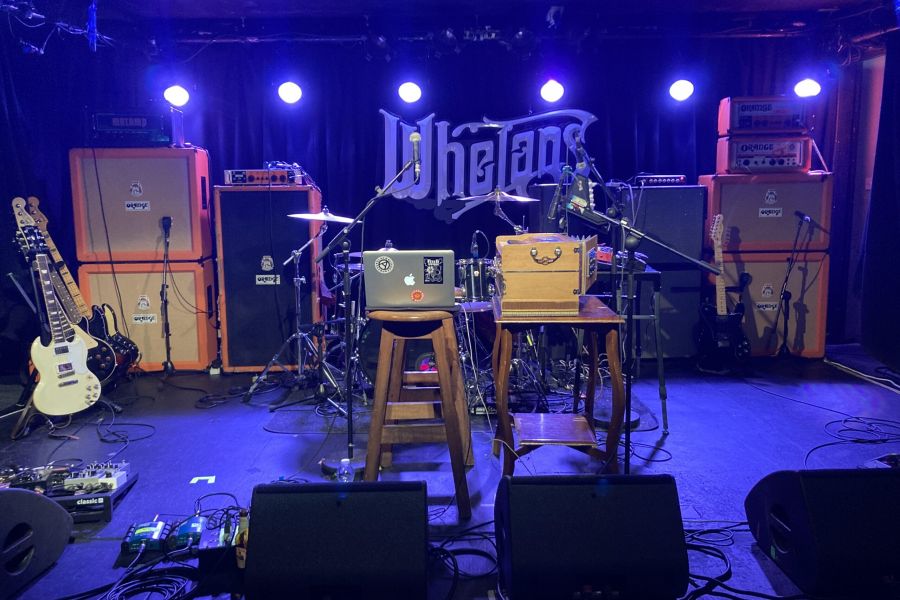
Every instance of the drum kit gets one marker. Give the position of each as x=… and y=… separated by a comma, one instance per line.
x=474, y=321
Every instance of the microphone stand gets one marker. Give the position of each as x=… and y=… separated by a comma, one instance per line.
x=632, y=239
x=168, y=367
x=784, y=298
x=342, y=238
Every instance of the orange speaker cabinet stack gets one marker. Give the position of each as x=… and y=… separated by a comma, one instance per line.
x=120, y=196
x=764, y=188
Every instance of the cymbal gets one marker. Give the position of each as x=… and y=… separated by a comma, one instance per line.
x=354, y=267
x=321, y=216
x=498, y=195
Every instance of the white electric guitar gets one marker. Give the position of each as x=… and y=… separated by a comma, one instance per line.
x=66, y=385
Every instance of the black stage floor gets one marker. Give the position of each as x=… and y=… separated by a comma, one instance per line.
x=726, y=433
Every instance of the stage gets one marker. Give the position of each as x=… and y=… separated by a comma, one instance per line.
x=726, y=433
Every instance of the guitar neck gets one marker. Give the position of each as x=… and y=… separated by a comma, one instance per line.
x=59, y=324
x=721, y=304
x=70, y=286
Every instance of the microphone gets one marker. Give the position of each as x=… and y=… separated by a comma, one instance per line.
x=803, y=216
x=554, y=203
x=166, y=223
x=416, y=138
x=474, y=247
x=579, y=147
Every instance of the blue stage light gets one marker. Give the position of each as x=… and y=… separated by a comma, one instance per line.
x=290, y=92
x=807, y=88
x=552, y=91
x=409, y=92
x=176, y=95
x=681, y=90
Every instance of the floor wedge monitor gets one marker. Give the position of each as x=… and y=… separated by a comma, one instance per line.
x=338, y=541
x=619, y=535
x=833, y=532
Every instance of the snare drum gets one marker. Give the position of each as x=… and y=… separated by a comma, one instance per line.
x=476, y=276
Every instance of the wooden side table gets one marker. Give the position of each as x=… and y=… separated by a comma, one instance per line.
x=534, y=430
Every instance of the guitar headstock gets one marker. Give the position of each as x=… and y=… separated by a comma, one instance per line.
x=20, y=212
x=30, y=238
x=40, y=219
x=716, y=229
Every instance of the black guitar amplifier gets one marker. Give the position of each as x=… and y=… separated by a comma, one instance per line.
x=255, y=236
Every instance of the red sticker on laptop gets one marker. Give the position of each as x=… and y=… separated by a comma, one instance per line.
x=417, y=295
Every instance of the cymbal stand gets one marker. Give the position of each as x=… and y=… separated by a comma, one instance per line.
x=342, y=239
x=499, y=212
x=300, y=336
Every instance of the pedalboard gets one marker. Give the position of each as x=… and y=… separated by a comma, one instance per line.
x=89, y=493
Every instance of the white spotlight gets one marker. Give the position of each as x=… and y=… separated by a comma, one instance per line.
x=807, y=88
x=176, y=95
x=681, y=90
x=289, y=92
x=409, y=92
x=552, y=91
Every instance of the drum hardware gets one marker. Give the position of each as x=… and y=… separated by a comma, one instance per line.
x=303, y=338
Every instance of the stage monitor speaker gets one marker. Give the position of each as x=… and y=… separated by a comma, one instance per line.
x=833, y=532
x=34, y=531
x=120, y=195
x=326, y=540
x=808, y=286
x=621, y=535
x=759, y=210
x=673, y=215
x=191, y=306
x=255, y=236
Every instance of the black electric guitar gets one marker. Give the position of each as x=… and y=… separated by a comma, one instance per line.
x=722, y=339
x=100, y=355
x=100, y=321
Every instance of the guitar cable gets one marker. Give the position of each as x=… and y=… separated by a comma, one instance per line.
x=112, y=264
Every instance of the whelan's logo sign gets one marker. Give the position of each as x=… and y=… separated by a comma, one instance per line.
x=475, y=158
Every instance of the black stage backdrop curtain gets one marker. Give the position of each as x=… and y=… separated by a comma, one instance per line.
x=881, y=283
x=336, y=132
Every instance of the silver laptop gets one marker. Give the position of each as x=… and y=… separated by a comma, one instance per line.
x=409, y=279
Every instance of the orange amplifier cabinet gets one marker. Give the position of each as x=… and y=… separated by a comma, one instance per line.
x=191, y=309
x=760, y=211
x=254, y=237
x=808, y=286
x=763, y=155
x=120, y=196
x=761, y=114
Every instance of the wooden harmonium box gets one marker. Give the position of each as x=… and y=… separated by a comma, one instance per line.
x=543, y=274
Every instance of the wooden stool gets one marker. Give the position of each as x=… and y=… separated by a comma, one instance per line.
x=421, y=419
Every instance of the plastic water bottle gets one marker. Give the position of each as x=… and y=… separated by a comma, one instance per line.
x=345, y=471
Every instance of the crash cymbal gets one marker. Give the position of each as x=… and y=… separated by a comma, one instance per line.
x=498, y=195
x=321, y=216
x=354, y=267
